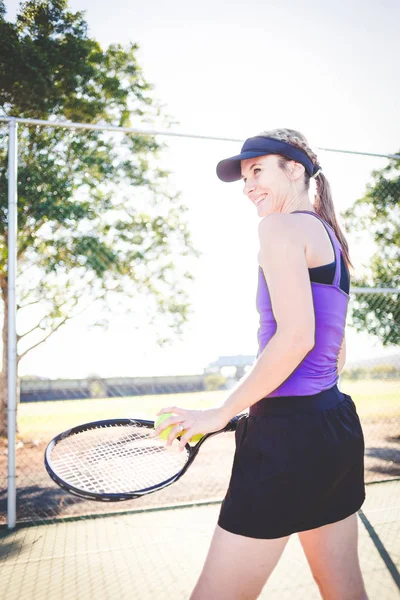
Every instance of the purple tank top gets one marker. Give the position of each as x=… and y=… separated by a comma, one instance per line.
x=318, y=370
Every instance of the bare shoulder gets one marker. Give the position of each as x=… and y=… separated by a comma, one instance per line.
x=280, y=227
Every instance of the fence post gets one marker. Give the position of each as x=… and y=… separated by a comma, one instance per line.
x=12, y=337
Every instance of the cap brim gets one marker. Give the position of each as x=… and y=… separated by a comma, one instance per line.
x=229, y=169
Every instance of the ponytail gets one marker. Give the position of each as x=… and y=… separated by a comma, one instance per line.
x=325, y=209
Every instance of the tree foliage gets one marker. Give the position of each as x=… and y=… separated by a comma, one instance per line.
x=94, y=209
x=378, y=213
x=98, y=219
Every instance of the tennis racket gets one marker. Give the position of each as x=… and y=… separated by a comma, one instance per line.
x=119, y=459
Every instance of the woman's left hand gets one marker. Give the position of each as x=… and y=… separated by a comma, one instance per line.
x=192, y=422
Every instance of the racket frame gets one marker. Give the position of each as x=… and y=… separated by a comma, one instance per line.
x=118, y=497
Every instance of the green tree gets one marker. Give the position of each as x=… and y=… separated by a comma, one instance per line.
x=378, y=213
x=97, y=218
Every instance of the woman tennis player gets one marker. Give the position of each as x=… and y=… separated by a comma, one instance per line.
x=298, y=465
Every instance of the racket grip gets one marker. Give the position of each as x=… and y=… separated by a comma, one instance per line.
x=233, y=423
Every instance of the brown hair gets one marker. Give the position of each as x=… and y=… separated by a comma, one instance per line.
x=323, y=203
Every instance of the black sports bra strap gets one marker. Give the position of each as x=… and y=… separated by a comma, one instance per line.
x=334, y=242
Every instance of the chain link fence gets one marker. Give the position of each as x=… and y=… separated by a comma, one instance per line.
x=50, y=407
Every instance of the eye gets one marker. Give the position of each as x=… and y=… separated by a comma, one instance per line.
x=256, y=169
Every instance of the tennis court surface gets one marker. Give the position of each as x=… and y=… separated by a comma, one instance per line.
x=158, y=554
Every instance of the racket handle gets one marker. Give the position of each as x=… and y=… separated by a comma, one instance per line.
x=233, y=423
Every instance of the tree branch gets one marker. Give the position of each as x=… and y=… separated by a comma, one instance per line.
x=20, y=337
x=20, y=356
x=29, y=304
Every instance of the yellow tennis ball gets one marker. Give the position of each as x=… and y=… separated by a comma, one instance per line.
x=196, y=438
x=165, y=433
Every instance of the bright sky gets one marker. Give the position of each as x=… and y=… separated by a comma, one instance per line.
x=233, y=69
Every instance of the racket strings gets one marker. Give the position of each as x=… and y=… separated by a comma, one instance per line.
x=115, y=459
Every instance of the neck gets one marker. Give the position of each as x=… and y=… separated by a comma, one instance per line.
x=300, y=203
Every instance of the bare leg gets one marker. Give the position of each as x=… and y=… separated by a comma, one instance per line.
x=332, y=554
x=237, y=567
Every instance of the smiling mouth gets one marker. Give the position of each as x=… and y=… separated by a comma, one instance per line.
x=260, y=199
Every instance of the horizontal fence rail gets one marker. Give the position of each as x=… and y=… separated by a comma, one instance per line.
x=194, y=136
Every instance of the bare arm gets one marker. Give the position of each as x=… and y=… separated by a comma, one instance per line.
x=282, y=258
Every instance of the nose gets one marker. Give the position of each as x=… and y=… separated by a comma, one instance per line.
x=248, y=187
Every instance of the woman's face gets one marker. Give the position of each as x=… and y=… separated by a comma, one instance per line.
x=267, y=185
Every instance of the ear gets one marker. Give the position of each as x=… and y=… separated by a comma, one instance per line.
x=295, y=170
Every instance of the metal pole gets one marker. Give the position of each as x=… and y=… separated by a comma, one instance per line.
x=378, y=290
x=12, y=336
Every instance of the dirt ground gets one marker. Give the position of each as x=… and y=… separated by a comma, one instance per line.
x=38, y=498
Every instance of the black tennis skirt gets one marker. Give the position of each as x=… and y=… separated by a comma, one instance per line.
x=298, y=465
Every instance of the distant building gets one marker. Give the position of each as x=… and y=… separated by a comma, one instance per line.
x=238, y=362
